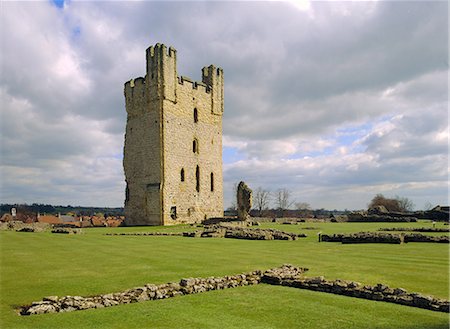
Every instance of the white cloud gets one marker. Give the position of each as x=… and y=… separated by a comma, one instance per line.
x=336, y=100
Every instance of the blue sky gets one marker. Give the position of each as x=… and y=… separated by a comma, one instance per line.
x=335, y=101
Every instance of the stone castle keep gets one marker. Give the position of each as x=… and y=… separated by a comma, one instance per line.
x=173, y=143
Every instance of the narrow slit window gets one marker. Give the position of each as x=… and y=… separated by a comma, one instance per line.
x=212, y=182
x=173, y=212
x=197, y=179
x=195, y=115
x=182, y=174
x=195, y=145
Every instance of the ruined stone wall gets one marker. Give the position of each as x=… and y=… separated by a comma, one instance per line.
x=170, y=115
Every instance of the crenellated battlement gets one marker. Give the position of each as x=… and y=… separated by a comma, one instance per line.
x=161, y=49
x=194, y=84
x=162, y=75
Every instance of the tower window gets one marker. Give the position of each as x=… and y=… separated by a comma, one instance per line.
x=195, y=115
x=212, y=182
x=182, y=174
x=173, y=212
x=195, y=145
x=197, y=179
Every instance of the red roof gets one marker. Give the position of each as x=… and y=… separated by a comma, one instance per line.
x=49, y=219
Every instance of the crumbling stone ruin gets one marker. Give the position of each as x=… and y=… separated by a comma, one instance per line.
x=244, y=201
x=286, y=275
x=231, y=232
x=416, y=229
x=62, y=230
x=380, y=237
x=375, y=216
x=173, y=143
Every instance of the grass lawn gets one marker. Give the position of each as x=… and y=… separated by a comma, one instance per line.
x=34, y=265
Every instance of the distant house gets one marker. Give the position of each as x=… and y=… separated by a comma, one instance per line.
x=112, y=222
x=49, y=219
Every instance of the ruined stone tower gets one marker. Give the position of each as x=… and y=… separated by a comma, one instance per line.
x=173, y=143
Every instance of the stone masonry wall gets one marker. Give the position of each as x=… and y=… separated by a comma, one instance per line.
x=286, y=275
x=380, y=237
x=173, y=144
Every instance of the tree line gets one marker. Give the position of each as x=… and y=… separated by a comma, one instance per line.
x=282, y=201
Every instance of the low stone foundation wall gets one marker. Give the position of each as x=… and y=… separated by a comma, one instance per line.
x=217, y=231
x=416, y=229
x=379, y=292
x=417, y=237
x=54, y=304
x=66, y=231
x=286, y=275
x=232, y=232
x=363, y=237
x=363, y=217
x=149, y=233
x=378, y=237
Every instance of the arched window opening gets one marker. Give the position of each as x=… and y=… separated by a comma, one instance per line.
x=182, y=174
x=197, y=179
x=212, y=182
x=195, y=115
x=195, y=145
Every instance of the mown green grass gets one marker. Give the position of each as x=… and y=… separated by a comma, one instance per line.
x=34, y=265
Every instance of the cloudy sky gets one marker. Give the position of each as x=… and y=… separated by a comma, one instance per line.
x=335, y=101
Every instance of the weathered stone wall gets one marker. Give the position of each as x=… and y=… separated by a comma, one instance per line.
x=365, y=217
x=244, y=201
x=379, y=237
x=416, y=229
x=363, y=237
x=417, y=237
x=380, y=292
x=232, y=232
x=173, y=144
x=286, y=275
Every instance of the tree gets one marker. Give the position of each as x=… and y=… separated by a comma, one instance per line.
x=261, y=200
x=302, y=206
x=283, y=200
x=397, y=204
x=427, y=206
x=405, y=204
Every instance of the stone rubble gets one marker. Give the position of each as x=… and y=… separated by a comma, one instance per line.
x=233, y=232
x=149, y=233
x=380, y=237
x=186, y=286
x=286, y=275
x=225, y=231
x=66, y=231
x=417, y=237
x=416, y=229
x=379, y=292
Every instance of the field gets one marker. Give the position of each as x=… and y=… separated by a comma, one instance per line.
x=35, y=265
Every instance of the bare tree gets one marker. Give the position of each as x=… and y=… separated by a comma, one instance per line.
x=405, y=204
x=427, y=206
x=302, y=206
x=261, y=200
x=283, y=200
